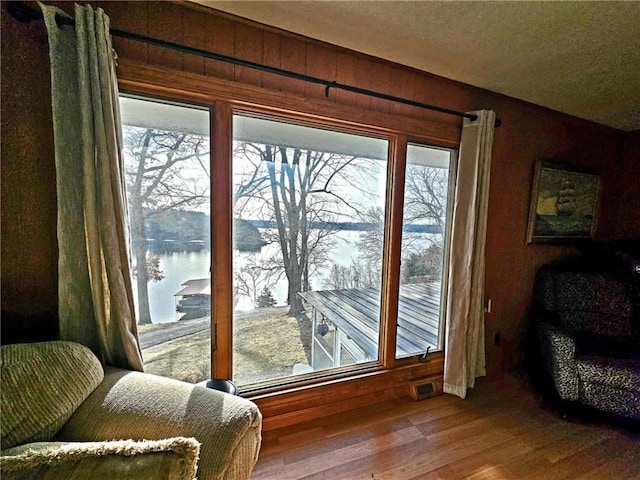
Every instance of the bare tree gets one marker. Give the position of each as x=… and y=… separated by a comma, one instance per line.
x=425, y=196
x=253, y=277
x=301, y=192
x=422, y=265
x=425, y=206
x=358, y=274
x=426, y=193
x=157, y=181
x=370, y=246
x=154, y=272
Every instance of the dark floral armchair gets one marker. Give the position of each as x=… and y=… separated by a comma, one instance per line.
x=587, y=330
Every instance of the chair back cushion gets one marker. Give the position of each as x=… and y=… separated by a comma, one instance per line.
x=593, y=303
x=42, y=385
x=588, y=302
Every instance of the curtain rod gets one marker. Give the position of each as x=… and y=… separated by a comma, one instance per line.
x=25, y=14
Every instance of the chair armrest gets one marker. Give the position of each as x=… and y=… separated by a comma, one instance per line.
x=140, y=406
x=558, y=351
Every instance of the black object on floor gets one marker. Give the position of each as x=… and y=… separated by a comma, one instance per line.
x=226, y=386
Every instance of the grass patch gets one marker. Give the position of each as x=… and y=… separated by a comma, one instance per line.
x=186, y=358
x=267, y=344
x=152, y=327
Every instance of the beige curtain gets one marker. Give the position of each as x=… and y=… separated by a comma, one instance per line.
x=95, y=294
x=464, y=334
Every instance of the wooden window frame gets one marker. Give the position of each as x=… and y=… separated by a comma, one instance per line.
x=360, y=386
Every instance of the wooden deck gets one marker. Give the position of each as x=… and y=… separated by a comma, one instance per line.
x=357, y=313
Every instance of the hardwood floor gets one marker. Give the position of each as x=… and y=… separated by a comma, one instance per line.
x=499, y=433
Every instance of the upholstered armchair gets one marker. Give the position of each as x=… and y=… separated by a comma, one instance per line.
x=587, y=329
x=64, y=416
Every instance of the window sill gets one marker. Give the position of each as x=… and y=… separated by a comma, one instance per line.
x=302, y=403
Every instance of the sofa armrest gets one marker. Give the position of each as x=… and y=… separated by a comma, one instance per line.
x=558, y=351
x=140, y=406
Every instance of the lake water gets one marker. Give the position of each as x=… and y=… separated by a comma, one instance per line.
x=177, y=268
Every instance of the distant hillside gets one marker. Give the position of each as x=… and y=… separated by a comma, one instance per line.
x=181, y=229
x=177, y=226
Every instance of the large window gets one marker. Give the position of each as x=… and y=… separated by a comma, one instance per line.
x=305, y=281
x=309, y=212
x=166, y=149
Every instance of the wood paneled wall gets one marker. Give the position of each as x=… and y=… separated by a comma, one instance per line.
x=528, y=133
x=203, y=28
x=628, y=220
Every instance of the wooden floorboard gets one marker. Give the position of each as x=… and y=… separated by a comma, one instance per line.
x=500, y=432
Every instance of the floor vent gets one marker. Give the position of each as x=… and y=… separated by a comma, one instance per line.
x=426, y=387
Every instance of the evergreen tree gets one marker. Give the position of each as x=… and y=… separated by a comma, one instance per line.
x=266, y=298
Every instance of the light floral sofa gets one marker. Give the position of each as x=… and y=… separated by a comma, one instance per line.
x=64, y=416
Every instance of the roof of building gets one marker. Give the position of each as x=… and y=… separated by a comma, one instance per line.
x=198, y=286
x=357, y=312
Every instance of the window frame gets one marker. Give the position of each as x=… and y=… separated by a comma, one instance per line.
x=333, y=125
x=224, y=98
x=446, y=254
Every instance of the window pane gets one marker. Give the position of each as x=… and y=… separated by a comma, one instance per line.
x=423, y=245
x=308, y=237
x=166, y=149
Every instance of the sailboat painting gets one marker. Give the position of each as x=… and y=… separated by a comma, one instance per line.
x=564, y=203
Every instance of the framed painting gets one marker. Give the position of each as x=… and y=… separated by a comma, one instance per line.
x=564, y=203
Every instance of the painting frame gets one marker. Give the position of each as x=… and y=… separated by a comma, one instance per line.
x=564, y=203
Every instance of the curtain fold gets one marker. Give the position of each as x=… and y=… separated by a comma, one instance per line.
x=464, y=333
x=94, y=271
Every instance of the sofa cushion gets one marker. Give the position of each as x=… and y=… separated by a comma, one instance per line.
x=42, y=385
x=171, y=459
